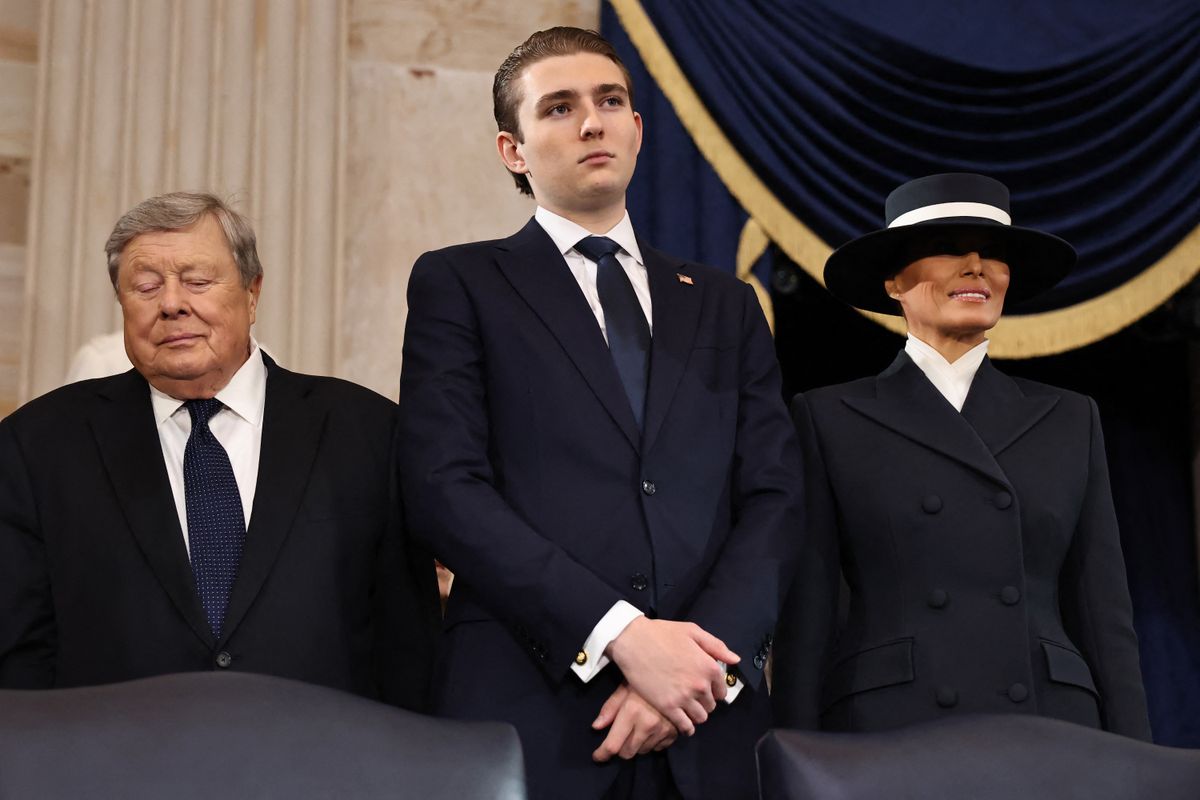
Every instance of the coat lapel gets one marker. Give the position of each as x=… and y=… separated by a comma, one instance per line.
x=537, y=271
x=999, y=411
x=676, y=311
x=907, y=403
x=124, y=429
x=292, y=429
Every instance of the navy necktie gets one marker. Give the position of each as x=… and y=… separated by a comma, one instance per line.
x=216, y=524
x=624, y=321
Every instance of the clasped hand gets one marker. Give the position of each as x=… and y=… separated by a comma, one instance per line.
x=673, y=684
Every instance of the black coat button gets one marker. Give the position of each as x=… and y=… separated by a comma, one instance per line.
x=1003, y=500
x=1018, y=692
x=224, y=660
x=639, y=582
x=938, y=598
x=932, y=504
x=648, y=487
x=1010, y=595
x=947, y=697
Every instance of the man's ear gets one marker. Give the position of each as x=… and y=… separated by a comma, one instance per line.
x=510, y=153
x=255, y=288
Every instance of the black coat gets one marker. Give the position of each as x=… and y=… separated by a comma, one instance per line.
x=981, y=555
x=525, y=472
x=95, y=582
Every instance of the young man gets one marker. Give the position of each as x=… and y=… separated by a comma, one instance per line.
x=595, y=442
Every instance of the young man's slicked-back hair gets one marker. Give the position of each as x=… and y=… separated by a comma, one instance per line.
x=552, y=42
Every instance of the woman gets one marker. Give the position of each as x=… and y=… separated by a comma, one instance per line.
x=965, y=514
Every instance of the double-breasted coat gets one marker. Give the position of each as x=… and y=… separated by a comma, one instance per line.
x=956, y=562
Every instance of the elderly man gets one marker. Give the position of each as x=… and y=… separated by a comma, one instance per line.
x=208, y=509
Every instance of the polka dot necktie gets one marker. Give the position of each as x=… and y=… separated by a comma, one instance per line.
x=216, y=524
x=624, y=321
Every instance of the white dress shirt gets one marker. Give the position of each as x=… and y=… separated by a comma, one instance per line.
x=953, y=381
x=566, y=234
x=238, y=427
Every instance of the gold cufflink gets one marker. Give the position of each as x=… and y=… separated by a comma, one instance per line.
x=730, y=679
x=581, y=658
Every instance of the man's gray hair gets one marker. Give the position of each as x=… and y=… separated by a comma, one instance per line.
x=179, y=210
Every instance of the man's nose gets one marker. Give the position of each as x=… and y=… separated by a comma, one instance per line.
x=171, y=300
x=592, y=125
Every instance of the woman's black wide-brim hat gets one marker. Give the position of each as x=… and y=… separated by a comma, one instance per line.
x=952, y=213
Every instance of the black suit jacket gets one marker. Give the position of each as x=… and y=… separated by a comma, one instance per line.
x=981, y=555
x=95, y=582
x=525, y=472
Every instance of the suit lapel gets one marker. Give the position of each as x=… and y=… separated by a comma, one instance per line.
x=537, y=271
x=998, y=409
x=292, y=429
x=125, y=434
x=676, y=310
x=907, y=403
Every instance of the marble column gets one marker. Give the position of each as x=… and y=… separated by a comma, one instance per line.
x=244, y=99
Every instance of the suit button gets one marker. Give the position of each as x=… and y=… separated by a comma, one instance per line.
x=932, y=504
x=1018, y=692
x=938, y=598
x=581, y=658
x=1010, y=595
x=224, y=660
x=947, y=697
x=638, y=581
x=759, y=660
x=648, y=488
x=1003, y=500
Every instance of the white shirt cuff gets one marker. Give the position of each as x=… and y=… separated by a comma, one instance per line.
x=591, y=658
x=731, y=690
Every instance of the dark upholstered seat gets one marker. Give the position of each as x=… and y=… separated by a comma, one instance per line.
x=977, y=757
x=238, y=735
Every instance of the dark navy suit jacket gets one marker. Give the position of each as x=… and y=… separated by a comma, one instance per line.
x=525, y=472
x=95, y=583
x=981, y=555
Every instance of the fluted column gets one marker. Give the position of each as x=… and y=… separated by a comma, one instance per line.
x=243, y=98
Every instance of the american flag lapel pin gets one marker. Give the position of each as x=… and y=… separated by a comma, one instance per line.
x=685, y=279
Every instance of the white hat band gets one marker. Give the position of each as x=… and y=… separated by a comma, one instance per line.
x=944, y=210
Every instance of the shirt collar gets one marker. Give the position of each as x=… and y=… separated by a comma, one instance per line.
x=926, y=357
x=244, y=395
x=566, y=233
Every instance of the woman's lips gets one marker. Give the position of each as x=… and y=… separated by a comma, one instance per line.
x=971, y=295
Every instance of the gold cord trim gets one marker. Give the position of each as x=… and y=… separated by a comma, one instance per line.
x=752, y=243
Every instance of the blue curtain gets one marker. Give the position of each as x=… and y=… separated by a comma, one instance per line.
x=1088, y=109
